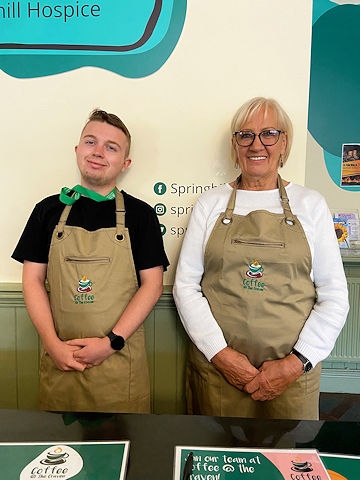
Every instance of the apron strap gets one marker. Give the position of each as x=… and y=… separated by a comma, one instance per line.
x=289, y=217
x=62, y=221
x=227, y=219
x=120, y=217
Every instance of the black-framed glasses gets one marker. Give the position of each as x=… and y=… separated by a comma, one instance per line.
x=268, y=137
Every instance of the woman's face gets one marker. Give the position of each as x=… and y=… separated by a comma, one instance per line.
x=258, y=161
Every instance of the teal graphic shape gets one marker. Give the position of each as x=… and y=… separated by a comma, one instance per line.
x=346, y=466
x=334, y=100
x=333, y=165
x=133, y=39
x=320, y=7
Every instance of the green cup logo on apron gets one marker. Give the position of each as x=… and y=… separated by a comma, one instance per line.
x=251, y=281
x=84, y=287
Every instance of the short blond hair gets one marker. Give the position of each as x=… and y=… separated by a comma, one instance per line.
x=250, y=108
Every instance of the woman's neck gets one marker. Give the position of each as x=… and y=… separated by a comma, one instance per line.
x=257, y=184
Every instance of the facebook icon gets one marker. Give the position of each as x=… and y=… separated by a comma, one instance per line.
x=159, y=188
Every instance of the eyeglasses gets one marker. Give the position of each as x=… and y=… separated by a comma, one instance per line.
x=245, y=138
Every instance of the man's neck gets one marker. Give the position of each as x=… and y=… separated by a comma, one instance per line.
x=101, y=190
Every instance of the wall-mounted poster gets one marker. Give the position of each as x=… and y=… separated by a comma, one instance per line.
x=350, y=167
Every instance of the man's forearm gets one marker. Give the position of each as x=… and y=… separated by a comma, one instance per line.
x=142, y=302
x=136, y=311
x=37, y=302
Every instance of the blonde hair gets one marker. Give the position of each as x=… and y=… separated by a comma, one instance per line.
x=251, y=108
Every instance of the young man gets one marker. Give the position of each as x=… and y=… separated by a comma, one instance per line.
x=93, y=270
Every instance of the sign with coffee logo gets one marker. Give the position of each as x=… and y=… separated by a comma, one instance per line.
x=199, y=463
x=64, y=461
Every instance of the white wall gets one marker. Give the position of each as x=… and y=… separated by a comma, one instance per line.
x=179, y=116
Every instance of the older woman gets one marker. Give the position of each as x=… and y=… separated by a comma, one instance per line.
x=260, y=285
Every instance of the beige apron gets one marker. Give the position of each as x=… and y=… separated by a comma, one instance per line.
x=92, y=278
x=257, y=282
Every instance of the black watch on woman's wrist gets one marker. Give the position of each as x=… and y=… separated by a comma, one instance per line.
x=307, y=366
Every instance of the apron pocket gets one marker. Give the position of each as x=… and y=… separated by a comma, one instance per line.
x=238, y=241
x=87, y=259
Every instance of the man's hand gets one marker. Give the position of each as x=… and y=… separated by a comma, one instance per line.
x=274, y=378
x=91, y=351
x=235, y=367
x=63, y=357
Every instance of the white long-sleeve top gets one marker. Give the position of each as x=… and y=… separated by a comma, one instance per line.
x=321, y=329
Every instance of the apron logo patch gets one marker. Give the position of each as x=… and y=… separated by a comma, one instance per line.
x=254, y=273
x=84, y=287
x=255, y=270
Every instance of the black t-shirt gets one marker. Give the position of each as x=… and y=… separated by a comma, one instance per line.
x=144, y=229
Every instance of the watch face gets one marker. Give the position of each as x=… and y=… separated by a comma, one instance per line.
x=117, y=342
x=307, y=367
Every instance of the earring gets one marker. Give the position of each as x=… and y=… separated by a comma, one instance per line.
x=281, y=162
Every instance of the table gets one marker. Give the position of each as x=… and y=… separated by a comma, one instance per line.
x=153, y=437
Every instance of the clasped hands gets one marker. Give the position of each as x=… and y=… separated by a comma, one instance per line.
x=81, y=353
x=267, y=382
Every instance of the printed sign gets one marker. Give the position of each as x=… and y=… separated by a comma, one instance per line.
x=86, y=461
x=248, y=464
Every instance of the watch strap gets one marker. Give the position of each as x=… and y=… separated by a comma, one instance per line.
x=307, y=365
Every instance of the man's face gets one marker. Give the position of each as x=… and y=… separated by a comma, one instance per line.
x=101, y=156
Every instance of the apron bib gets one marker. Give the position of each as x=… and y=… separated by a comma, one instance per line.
x=92, y=279
x=257, y=282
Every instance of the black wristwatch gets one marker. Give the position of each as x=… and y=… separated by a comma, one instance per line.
x=307, y=366
x=116, y=341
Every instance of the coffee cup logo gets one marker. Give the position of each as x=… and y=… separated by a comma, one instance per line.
x=84, y=285
x=301, y=466
x=255, y=270
x=55, y=457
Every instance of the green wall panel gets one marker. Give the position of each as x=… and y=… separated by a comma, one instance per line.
x=166, y=343
x=8, y=367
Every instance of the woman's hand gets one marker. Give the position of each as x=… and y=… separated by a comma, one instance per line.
x=274, y=378
x=235, y=367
